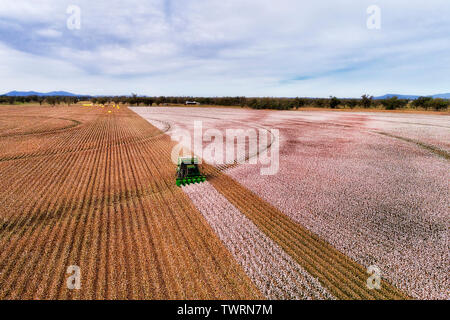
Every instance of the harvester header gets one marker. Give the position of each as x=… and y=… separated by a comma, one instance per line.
x=188, y=171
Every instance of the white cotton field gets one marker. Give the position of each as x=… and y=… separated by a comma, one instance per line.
x=373, y=185
x=274, y=272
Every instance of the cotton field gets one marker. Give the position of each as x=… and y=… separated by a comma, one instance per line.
x=372, y=185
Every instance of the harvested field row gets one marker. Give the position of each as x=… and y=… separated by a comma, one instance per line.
x=271, y=269
x=139, y=238
x=28, y=125
x=51, y=142
x=378, y=200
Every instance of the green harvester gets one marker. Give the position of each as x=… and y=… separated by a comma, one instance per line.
x=188, y=172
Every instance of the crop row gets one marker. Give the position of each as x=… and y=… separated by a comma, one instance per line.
x=103, y=199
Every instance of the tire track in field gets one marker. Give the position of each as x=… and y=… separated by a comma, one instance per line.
x=156, y=282
x=134, y=168
x=237, y=162
x=168, y=180
x=119, y=141
x=22, y=220
x=433, y=149
x=437, y=151
x=68, y=165
x=74, y=124
x=16, y=176
x=36, y=209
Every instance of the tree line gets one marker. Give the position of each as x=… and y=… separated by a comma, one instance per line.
x=366, y=102
x=52, y=100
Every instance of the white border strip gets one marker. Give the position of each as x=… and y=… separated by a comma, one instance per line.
x=273, y=271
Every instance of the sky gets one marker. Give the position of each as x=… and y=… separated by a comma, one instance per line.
x=283, y=48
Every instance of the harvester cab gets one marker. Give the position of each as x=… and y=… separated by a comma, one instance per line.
x=188, y=171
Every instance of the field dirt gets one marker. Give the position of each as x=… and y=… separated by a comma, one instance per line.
x=100, y=195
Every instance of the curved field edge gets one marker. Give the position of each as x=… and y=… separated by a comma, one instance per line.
x=441, y=153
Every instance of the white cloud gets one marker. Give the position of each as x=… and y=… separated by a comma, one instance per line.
x=246, y=47
x=49, y=33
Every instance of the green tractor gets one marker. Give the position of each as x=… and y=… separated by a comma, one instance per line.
x=188, y=172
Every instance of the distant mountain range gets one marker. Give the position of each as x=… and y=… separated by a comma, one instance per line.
x=41, y=94
x=69, y=94
x=412, y=97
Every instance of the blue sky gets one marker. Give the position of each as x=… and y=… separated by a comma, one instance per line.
x=218, y=48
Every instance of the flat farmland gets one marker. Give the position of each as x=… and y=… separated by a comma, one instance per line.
x=94, y=187
x=372, y=186
x=100, y=195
